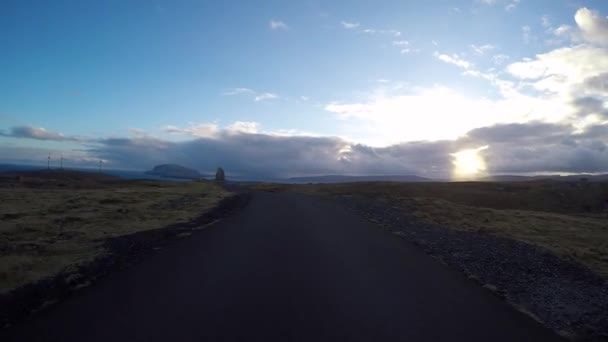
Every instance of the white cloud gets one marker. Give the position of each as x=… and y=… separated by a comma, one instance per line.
x=278, y=25
x=238, y=91
x=414, y=115
x=408, y=51
x=206, y=130
x=563, y=30
x=482, y=49
x=569, y=66
x=250, y=127
x=512, y=5
x=349, y=25
x=453, y=59
x=257, y=96
x=355, y=26
x=500, y=59
x=567, y=85
x=401, y=43
x=265, y=97
x=593, y=26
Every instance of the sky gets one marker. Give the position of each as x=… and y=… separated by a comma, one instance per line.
x=442, y=89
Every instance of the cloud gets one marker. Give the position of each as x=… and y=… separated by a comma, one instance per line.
x=500, y=59
x=278, y=25
x=238, y=91
x=540, y=148
x=198, y=130
x=591, y=106
x=37, y=133
x=244, y=127
x=527, y=147
x=482, y=49
x=597, y=83
x=512, y=5
x=562, y=68
x=265, y=96
x=509, y=5
x=349, y=25
x=593, y=26
x=532, y=147
x=414, y=113
x=453, y=59
x=355, y=26
x=394, y=33
x=256, y=96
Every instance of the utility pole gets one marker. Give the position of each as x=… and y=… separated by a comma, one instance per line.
x=100, y=165
x=48, y=162
x=61, y=163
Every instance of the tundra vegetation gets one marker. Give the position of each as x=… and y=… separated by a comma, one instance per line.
x=51, y=221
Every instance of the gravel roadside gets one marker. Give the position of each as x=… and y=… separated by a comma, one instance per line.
x=562, y=294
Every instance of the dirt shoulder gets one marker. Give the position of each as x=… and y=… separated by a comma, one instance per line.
x=560, y=293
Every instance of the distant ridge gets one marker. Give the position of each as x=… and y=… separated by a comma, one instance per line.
x=350, y=179
x=559, y=178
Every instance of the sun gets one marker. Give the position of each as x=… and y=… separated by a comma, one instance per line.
x=469, y=163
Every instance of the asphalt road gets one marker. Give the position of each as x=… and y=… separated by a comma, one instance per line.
x=286, y=268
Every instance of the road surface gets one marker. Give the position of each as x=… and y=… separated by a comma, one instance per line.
x=286, y=268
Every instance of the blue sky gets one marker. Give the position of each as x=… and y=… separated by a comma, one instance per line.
x=375, y=73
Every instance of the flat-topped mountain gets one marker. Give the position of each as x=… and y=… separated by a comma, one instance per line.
x=174, y=171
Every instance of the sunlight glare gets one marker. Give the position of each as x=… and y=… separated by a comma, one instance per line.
x=469, y=163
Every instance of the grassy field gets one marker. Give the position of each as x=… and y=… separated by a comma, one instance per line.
x=567, y=218
x=58, y=221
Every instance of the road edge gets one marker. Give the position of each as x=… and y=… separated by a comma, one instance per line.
x=122, y=252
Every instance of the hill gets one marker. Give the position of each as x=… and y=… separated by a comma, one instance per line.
x=174, y=171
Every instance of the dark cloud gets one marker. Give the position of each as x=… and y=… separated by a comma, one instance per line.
x=542, y=147
x=590, y=105
x=598, y=83
x=512, y=148
x=37, y=133
x=520, y=132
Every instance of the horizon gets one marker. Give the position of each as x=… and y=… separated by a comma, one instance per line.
x=450, y=90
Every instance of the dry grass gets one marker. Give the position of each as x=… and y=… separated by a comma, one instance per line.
x=566, y=218
x=44, y=230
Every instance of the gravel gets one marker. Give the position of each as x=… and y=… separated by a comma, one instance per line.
x=562, y=294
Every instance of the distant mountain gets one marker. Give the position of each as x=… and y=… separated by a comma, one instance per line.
x=507, y=178
x=559, y=178
x=350, y=179
x=174, y=171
